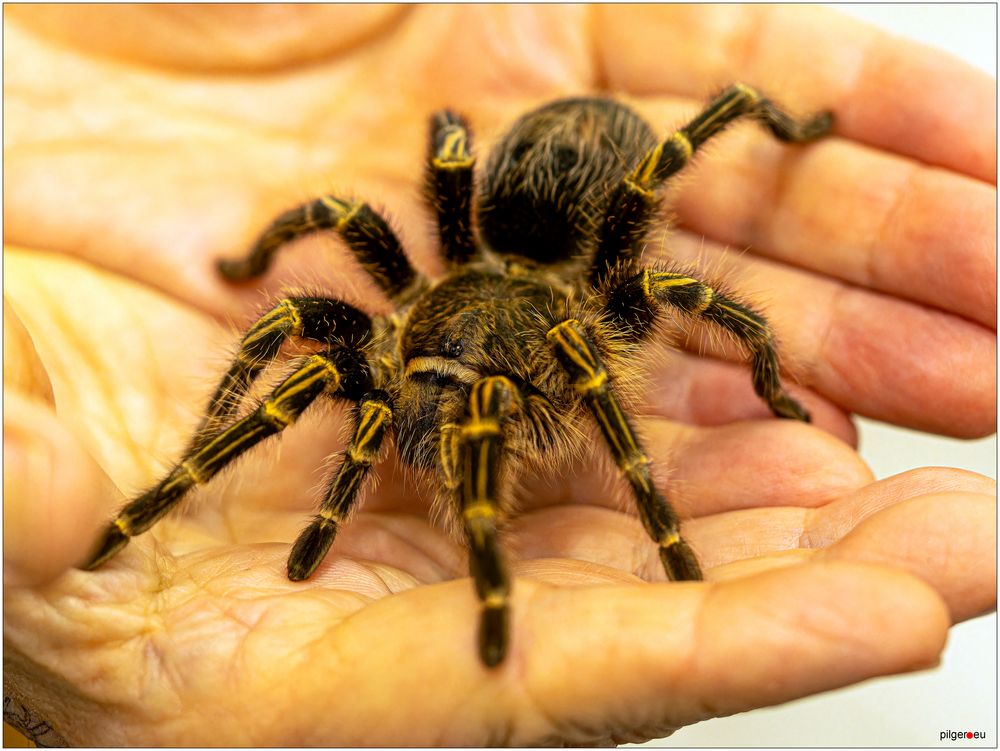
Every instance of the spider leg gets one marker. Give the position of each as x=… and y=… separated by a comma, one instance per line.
x=372, y=418
x=634, y=202
x=449, y=184
x=633, y=302
x=578, y=355
x=491, y=402
x=337, y=371
x=366, y=233
x=318, y=318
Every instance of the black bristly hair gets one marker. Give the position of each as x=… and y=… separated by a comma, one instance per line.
x=534, y=325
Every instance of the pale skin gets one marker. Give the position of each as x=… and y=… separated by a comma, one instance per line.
x=142, y=144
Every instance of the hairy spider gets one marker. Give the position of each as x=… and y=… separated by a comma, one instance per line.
x=541, y=312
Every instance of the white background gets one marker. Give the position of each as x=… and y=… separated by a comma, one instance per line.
x=961, y=694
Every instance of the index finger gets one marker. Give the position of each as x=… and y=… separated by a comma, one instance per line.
x=591, y=664
x=885, y=91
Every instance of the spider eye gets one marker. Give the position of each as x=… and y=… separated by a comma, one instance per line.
x=452, y=348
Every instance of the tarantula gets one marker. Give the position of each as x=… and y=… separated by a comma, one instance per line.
x=543, y=307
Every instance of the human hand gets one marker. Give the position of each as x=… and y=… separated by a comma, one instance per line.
x=817, y=577
x=236, y=527
x=874, y=250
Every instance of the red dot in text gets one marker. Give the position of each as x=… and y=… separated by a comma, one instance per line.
x=968, y=735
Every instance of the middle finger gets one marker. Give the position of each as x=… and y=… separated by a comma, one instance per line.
x=847, y=210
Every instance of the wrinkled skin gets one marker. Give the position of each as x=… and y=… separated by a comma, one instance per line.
x=141, y=147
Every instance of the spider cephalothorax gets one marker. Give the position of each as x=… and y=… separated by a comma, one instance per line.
x=528, y=333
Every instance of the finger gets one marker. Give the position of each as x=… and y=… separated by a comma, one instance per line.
x=936, y=523
x=210, y=38
x=947, y=539
x=884, y=91
x=241, y=159
x=54, y=491
x=733, y=543
x=55, y=494
x=676, y=684
x=704, y=471
x=124, y=360
x=707, y=392
x=644, y=659
x=848, y=211
x=868, y=353
x=23, y=371
x=822, y=526
x=181, y=265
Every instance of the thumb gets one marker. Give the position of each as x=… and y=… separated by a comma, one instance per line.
x=55, y=494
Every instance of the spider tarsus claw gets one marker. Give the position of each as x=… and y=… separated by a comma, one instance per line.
x=680, y=562
x=310, y=548
x=789, y=409
x=493, y=635
x=111, y=542
x=821, y=124
x=235, y=270
x=798, y=412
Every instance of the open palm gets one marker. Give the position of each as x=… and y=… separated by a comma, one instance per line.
x=817, y=577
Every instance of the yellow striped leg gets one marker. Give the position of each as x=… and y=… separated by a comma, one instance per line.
x=491, y=402
x=366, y=233
x=371, y=422
x=634, y=202
x=635, y=304
x=318, y=318
x=316, y=374
x=737, y=101
x=579, y=356
x=449, y=185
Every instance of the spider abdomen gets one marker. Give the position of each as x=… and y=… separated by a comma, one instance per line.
x=547, y=183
